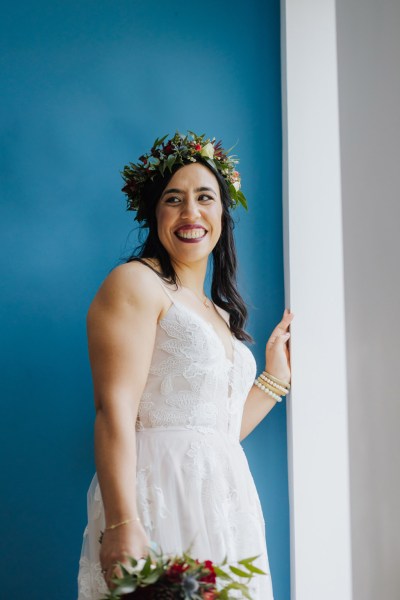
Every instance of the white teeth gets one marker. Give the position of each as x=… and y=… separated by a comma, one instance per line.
x=191, y=233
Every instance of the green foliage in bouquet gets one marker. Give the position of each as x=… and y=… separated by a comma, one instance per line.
x=181, y=577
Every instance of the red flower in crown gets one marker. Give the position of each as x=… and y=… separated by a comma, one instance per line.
x=165, y=155
x=168, y=149
x=218, y=149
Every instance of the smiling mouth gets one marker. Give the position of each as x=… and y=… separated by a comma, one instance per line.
x=191, y=234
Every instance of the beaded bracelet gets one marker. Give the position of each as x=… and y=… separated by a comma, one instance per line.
x=276, y=386
x=267, y=390
x=271, y=385
x=276, y=380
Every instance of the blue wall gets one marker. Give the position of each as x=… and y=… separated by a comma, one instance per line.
x=87, y=87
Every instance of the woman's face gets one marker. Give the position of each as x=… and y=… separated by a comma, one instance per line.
x=189, y=214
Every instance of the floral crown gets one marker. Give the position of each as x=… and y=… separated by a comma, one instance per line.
x=180, y=150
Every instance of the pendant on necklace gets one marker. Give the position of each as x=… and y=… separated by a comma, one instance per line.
x=204, y=301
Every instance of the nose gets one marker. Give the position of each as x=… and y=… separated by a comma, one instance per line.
x=190, y=209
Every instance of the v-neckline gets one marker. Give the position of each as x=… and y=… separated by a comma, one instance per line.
x=211, y=328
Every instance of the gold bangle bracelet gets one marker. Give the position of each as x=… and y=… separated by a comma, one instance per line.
x=276, y=386
x=270, y=387
x=283, y=383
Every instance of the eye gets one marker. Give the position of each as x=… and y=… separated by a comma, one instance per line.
x=171, y=199
x=206, y=197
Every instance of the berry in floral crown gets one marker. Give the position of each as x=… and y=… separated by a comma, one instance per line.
x=181, y=150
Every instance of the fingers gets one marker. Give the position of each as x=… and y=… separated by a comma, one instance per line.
x=283, y=326
x=286, y=319
x=287, y=316
x=114, y=569
x=281, y=333
x=110, y=571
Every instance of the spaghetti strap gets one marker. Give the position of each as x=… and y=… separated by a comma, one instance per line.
x=161, y=282
x=164, y=287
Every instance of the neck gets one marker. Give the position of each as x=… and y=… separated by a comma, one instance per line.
x=192, y=275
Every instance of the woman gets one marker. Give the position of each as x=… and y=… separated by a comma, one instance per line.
x=174, y=384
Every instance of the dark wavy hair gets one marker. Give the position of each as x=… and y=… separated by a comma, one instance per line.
x=223, y=287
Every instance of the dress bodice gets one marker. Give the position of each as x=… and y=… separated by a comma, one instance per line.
x=192, y=383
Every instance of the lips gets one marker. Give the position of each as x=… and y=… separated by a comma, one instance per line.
x=191, y=233
x=190, y=226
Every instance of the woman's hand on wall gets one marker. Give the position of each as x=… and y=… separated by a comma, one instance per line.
x=277, y=354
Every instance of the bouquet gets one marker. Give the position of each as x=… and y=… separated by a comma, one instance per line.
x=183, y=578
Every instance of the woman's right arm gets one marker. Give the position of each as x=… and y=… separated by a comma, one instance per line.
x=121, y=328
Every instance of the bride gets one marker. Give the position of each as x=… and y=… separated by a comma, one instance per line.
x=174, y=384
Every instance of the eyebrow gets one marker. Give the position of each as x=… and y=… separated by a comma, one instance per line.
x=178, y=191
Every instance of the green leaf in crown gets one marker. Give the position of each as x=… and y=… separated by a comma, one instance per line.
x=181, y=150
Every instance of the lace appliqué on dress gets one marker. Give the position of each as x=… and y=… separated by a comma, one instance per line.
x=150, y=498
x=91, y=580
x=182, y=373
x=210, y=472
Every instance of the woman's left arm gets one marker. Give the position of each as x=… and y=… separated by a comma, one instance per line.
x=277, y=363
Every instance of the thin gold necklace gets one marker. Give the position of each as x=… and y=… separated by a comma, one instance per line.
x=204, y=301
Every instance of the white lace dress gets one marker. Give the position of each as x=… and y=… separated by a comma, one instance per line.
x=194, y=485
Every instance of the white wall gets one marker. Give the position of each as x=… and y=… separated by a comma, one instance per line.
x=341, y=99
x=317, y=407
x=368, y=36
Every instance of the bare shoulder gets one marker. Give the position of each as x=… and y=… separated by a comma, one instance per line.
x=130, y=284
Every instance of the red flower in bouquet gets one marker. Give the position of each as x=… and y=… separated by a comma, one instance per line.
x=211, y=595
x=211, y=576
x=174, y=572
x=181, y=577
